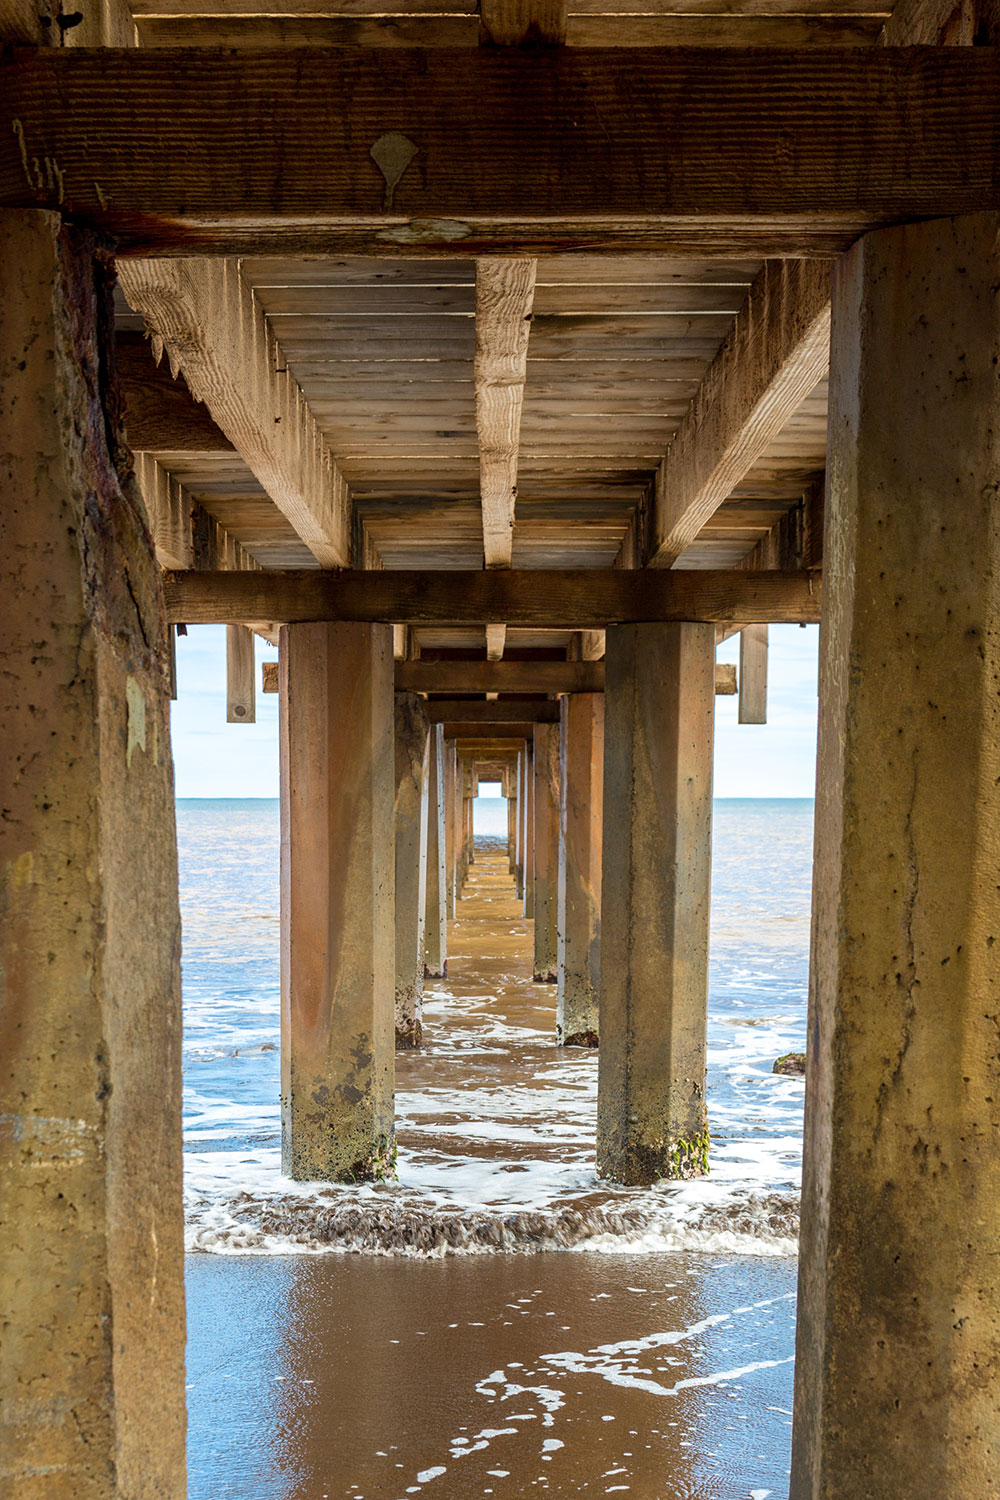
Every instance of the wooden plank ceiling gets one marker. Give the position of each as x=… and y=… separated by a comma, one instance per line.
x=383, y=350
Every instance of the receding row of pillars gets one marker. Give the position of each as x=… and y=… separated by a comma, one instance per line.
x=898, y=1338
x=609, y=838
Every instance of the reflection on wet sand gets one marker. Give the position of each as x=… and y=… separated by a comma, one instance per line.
x=660, y=1375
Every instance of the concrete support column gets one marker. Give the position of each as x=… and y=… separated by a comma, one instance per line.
x=436, y=924
x=91, y=1232
x=450, y=821
x=898, y=1366
x=412, y=735
x=528, y=828
x=659, y=711
x=337, y=927
x=581, y=812
x=546, y=821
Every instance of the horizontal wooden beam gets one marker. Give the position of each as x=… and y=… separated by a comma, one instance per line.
x=515, y=676
x=725, y=150
x=476, y=741
x=509, y=711
x=564, y=600
x=501, y=676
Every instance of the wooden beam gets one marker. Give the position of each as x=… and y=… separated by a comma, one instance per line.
x=775, y=353
x=500, y=677
x=240, y=701
x=480, y=740
x=184, y=534
x=161, y=415
x=667, y=150
x=567, y=600
x=527, y=677
x=496, y=639
x=504, y=711
x=519, y=23
x=753, y=675
x=216, y=334
x=505, y=295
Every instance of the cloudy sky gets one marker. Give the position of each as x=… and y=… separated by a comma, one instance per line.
x=216, y=759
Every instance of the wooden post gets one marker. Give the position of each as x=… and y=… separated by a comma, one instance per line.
x=240, y=700
x=529, y=830
x=91, y=1233
x=581, y=811
x=546, y=821
x=659, y=707
x=511, y=795
x=753, y=675
x=337, y=928
x=436, y=923
x=450, y=772
x=519, y=827
x=899, y=1294
x=412, y=735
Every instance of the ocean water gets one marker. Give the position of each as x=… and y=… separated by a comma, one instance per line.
x=495, y=1124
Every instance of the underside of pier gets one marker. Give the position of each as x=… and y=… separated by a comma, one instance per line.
x=496, y=359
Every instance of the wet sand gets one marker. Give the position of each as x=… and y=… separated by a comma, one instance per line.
x=664, y=1376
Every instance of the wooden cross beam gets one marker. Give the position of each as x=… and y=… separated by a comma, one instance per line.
x=556, y=600
x=722, y=151
x=526, y=677
x=504, y=711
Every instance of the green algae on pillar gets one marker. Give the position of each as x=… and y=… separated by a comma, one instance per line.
x=412, y=733
x=545, y=812
x=898, y=1343
x=581, y=814
x=655, y=883
x=436, y=924
x=91, y=1234
x=337, y=927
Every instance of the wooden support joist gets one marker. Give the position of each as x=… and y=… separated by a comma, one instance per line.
x=563, y=600
x=184, y=534
x=476, y=741
x=781, y=153
x=161, y=415
x=526, y=677
x=775, y=353
x=505, y=294
x=518, y=23
x=504, y=711
x=500, y=677
x=206, y=316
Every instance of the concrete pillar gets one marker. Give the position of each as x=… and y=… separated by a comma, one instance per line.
x=581, y=812
x=412, y=735
x=898, y=1368
x=91, y=1232
x=450, y=772
x=529, y=830
x=436, y=925
x=659, y=708
x=337, y=927
x=546, y=820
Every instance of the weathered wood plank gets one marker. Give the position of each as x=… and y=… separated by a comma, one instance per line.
x=160, y=412
x=469, y=735
x=753, y=675
x=775, y=353
x=503, y=711
x=496, y=637
x=743, y=150
x=518, y=23
x=240, y=700
x=500, y=677
x=215, y=332
x=567, y=599
x=505, y=292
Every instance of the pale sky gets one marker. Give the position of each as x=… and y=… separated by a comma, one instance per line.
x=216, y=759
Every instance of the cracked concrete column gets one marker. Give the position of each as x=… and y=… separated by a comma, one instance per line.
x=898, y=1347
x=412, y=735
x=657, y=844
x=337, y=927
x=545, y=814
x=91, y=1233
x=436, y=924
x=581, y=813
